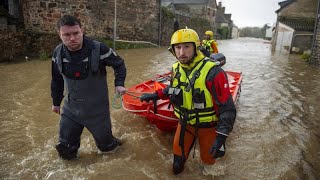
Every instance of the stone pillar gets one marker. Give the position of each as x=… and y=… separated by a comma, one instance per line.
x=315, y=53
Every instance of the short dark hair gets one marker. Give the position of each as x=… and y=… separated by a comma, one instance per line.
x=68, y=20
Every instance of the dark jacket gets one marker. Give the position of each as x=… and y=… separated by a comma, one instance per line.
x=106, y=59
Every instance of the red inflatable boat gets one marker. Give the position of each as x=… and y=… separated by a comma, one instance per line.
x=164, y=118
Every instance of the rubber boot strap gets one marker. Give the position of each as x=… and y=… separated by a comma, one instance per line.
x=183, y=123
x=196, y=133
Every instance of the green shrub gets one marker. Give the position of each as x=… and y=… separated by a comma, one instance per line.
x=167, y=12
x=224, y=32
x=306, y=56
x=43, y=55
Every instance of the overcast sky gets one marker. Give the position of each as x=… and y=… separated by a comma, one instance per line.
x=251, y=12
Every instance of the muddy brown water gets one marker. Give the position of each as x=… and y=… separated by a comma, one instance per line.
x=276, y=134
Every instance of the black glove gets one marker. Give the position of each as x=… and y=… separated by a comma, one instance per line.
x=218, y=148
x=204, y=51
x=219, y=58
x=147, y=97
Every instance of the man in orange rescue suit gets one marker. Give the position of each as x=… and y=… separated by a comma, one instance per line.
x=201, y=99
x=210, y=44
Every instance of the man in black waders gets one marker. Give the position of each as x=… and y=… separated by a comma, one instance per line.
x=199, y=92
x=78, y=67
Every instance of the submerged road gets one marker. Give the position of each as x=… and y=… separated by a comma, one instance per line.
x=276, y=134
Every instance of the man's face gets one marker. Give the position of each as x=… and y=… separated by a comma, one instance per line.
x=207, y=37
x=184, y=52
x=71, y=36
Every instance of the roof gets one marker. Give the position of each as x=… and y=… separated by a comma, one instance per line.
x=228, y=16
x=284, y=4
x=299, y=24
x=187, y=1
x=223, y=18
x=165, y=4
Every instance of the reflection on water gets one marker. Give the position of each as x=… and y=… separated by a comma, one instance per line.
x=276, y=134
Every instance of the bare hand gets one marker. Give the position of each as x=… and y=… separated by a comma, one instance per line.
x=56, y=109
x=120, y=90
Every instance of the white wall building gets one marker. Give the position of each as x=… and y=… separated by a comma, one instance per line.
x=269, y=33
x=284, y=38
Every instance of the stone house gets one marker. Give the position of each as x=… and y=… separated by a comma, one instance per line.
x=205, y=9
x=234, y=31
x=294, y=26
x=225, y=27
x=142, y=20
x=269, y=32
x=97, y=16
x=135, y=21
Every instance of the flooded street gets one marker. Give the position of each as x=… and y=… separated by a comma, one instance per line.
x=276, y=134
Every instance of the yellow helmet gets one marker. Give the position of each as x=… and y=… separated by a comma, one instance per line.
x=210, y=33
x=183, y=36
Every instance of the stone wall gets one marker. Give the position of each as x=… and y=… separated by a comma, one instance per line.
x=136, y=20
x=12, y=45
x=301, y=8
x=15, y=44
x=200, y=25
x=315, y=54
x=316, y=47
x=302, y=42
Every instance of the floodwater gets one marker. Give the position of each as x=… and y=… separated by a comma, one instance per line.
x=276, y=134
